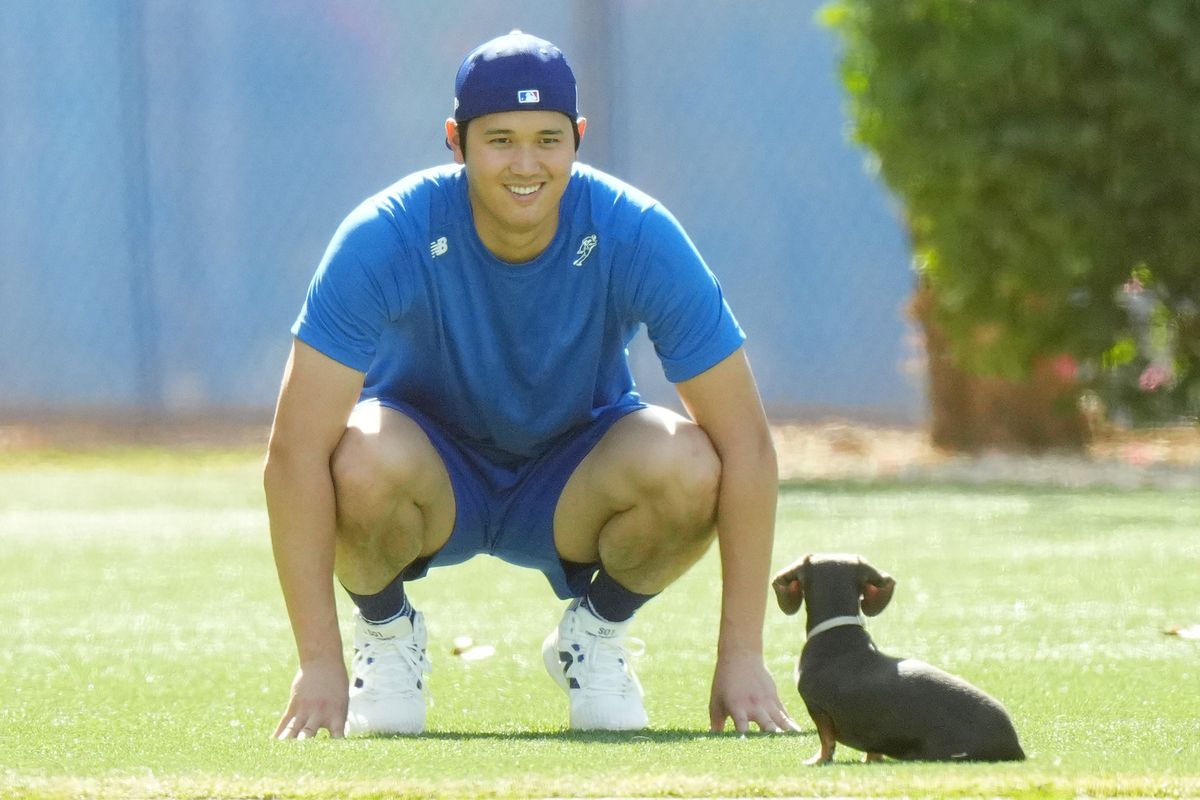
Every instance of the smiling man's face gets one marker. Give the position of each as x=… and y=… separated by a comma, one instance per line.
x=518, y=164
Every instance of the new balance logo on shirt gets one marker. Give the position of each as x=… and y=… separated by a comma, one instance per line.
x=439, y=247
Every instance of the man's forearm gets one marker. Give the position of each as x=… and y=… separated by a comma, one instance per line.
x=746, y=529
x=300, y=504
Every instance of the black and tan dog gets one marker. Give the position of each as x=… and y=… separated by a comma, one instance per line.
x=872, y=702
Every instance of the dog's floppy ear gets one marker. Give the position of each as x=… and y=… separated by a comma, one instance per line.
x=789, y=586
x=875, y=587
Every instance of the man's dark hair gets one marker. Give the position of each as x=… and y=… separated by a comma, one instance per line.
x=462, y=135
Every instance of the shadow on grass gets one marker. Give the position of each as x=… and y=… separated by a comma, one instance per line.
x=657, y=736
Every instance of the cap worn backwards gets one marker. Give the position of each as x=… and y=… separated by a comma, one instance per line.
x=514, y=72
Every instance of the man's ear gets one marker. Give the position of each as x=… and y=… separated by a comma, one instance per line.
x=581, y=124
x=453, y=142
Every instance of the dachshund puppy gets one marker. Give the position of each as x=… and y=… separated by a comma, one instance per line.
x=858, y=696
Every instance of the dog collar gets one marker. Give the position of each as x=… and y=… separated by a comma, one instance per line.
x=836, y=622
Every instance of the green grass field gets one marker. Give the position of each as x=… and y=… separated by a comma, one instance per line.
x=144, y=650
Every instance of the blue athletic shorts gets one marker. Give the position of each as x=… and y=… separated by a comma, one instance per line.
x=509, y=512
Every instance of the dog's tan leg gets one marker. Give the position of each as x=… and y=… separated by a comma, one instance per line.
x=828, y=737
x=872, y=758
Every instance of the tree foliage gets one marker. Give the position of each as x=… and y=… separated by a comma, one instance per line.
x=1048, y=158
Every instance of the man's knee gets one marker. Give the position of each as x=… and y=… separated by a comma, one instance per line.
x=394, y=499
x=685, y=476
x=373, y=470
x=648, y=489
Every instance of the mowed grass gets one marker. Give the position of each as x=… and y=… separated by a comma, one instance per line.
x=144, y=649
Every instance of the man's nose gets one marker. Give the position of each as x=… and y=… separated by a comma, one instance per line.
x=525, y=161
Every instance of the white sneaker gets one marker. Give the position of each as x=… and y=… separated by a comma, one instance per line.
x=588, y=658
x=387, y=676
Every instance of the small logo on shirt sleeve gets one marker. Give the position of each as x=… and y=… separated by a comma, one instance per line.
x=585, y=249
x=439, y=247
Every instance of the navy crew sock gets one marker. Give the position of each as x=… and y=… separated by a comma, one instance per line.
x=385, y=606
x=610, y=600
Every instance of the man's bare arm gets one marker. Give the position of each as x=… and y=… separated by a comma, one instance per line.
x=724, y=401
x=315, y=402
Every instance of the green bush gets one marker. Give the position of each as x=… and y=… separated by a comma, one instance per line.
x=1047, y=155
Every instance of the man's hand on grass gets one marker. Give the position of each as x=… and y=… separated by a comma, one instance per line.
x=744, y=691
x=320, y=695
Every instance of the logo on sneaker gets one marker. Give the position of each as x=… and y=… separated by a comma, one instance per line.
x=607, y=633
x=567, y=660
x=439, y=247
x=585, y=249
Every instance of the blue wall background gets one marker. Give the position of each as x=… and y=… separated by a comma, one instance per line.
x=170, y=173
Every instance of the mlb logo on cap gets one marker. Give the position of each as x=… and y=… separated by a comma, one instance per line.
x=528, y=96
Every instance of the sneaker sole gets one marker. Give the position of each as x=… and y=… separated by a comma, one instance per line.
x=391, y=728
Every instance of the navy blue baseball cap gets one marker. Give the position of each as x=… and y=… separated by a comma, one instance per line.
x=514, y=72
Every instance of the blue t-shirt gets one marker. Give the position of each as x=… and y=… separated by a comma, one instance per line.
x=510, y=357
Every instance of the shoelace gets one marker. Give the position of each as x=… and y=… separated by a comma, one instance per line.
x=616, y=652
x=406, y=672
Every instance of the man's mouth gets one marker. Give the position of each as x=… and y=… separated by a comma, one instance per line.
x=524, y=190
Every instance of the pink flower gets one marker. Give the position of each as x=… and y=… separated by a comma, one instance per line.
x=1133, y=286
x=1154, y=377
x=1065, y=367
